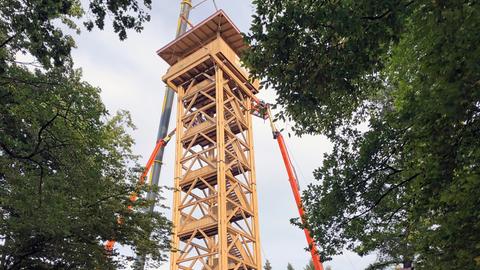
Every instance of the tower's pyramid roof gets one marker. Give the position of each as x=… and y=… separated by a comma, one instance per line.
x=202, y=34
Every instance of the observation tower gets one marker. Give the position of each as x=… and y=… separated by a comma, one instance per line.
x=215, y=213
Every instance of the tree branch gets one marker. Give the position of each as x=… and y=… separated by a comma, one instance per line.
x=8, y=40
x=381, y=265
x=118, y=195
x=37, y=146
x=34, y=247
x=377, y=202
x=383, y=15
x=389, y=219
x=40, y=183
x=32, y=82
x=378, y=17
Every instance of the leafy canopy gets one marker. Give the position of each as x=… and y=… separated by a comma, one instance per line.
x=66, y=173
x=35, y=26
x=66, y=165
x=395, y=86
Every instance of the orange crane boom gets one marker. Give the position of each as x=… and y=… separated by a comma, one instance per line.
x=292, y=178
x=160, y=144
x=295, y=189
x=133, y=197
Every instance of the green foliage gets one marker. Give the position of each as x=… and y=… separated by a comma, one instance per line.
x=36, y=26
x=66, y=166
x=322, y=57
x=309, y=266
x=290, y=267
x=407, y=186
x=66, y=173
x=267, y=265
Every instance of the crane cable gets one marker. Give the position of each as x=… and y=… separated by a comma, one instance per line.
x=275, y=131
x=201, y=2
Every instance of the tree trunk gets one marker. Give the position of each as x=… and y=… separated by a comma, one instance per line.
x=408, y=265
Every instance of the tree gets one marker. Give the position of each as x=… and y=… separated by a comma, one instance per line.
x=36, y=26
x=66, y=166
x=267, y=265
x=66, y=173
x=309, y=266
x=405, y=186
x=290, y=267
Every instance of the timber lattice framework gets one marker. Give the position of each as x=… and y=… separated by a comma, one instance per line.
x=215, y=212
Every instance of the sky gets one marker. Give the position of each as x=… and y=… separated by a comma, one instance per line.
x=129, y=73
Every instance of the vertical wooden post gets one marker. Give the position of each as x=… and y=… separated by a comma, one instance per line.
x=177, y=175
x=222, y=196
x=253, y=179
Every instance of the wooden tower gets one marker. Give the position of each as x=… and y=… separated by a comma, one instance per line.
x=215, y=212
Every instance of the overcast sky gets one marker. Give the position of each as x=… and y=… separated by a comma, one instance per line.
x=129, y=74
